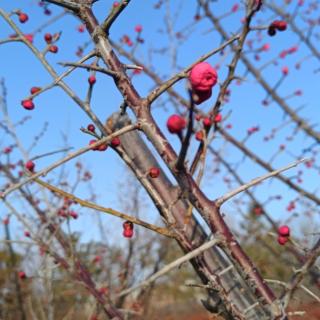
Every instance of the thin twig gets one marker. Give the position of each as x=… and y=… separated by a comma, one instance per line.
x=88, y=204
x=255, y=181
x=67, y=158
x=171, y=266
x=89, y=67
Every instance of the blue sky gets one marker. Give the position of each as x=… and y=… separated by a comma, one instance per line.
x=21, y=70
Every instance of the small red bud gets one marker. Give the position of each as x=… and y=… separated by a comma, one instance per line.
x=176, y=123
x=48, y=37
x=27, y=104
x=284, y=231
x=81, y=28
x=115, y=142
x=282, y=240
x=154, y=172
x=138, y=28
x=22, y=275
x=91, y=127
x=34, y=90
x=218, y=118
x=30, y=165
x=53, y=48
x=206, y=122
x=23, y=17
x=199, y=135
x=92, y=80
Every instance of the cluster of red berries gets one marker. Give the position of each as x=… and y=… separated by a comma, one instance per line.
x=202, y=78
x=277, y=25
x=65, y=211
x=101, y=147
x=283, y=234
x=127, y=229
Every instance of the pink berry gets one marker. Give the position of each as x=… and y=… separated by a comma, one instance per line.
x=154, y=172
x=30, y=165
x=27, y=104
x=202, y=77
x=176, y=123
x=23, y=17
x=22, y=275
x=284, y=231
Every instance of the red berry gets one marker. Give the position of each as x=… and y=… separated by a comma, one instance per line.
x=22, y=275
x=73, y=214
x=282, y=240
x=115, y=142
x=176, y=123
x=91, y=127
x=97, y=259
x=23, y=17
x=206, y=122
x=202, y=77
x=285, y=71
x=127, y=225
x=218, y=118
x=30, y=165
x=199, y=135
x=27, y=234
x=116, y=4
x=127, y=229
x=138, y=28
x=92, y=80
x=284, y=231
x=258, y=211
x=280, y=25
x=53, y=48
x=34, y=90
x=154, y=172
x=27, y=104
x=127, y=233
x=48, y=37
x=81, y=28
x=7, y=150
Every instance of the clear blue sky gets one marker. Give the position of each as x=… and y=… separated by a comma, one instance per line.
x=21, y=71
